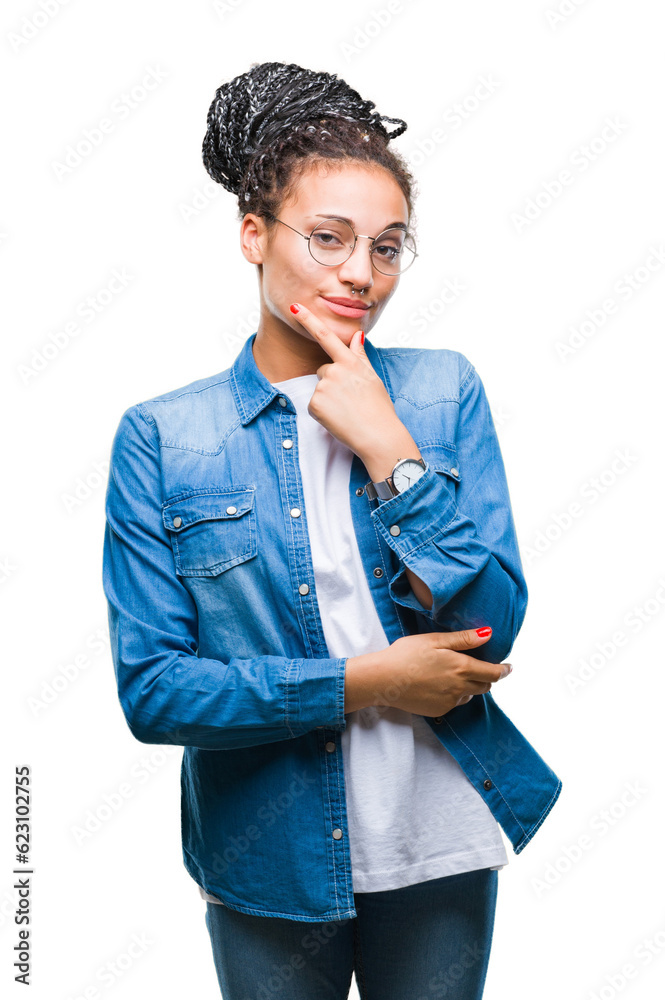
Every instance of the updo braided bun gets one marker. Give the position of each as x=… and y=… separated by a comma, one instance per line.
x=266, y=125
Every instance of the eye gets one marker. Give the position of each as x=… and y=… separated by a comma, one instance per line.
x=387, y=251
x=332, y=236
x=326, y=239
x=389, y=244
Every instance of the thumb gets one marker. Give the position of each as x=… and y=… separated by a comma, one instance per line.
x=464, y=639
x=356, y=344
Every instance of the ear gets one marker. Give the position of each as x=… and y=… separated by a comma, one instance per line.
x=253, y=238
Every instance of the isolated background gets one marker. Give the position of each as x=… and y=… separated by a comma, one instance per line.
x=585, y=897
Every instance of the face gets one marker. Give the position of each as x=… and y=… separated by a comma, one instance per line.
x=372, y=200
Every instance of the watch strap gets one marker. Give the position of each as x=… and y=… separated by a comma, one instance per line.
x=383, y=490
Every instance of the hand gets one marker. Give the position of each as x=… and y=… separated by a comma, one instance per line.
x=350, y=400
x=426, y=674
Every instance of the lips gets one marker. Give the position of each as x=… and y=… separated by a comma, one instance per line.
x=345, y=307
x=352, y=303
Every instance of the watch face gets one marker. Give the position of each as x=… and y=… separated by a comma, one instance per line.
x=406, y=474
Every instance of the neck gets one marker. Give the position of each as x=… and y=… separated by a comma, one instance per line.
x=280, y=353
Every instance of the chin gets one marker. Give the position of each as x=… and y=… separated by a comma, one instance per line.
x=343, y=335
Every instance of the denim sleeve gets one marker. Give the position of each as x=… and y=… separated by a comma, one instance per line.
x=168, y=694
x=462, y=544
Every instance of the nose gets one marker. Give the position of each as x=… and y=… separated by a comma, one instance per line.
x=358, y=268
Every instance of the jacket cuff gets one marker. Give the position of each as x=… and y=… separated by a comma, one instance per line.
x=315, y=695
x=427, y=532
x=417, y=515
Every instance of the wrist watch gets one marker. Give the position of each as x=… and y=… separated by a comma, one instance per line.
x=404, y=474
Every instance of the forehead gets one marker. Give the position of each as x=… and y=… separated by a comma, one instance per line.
x=367, y=194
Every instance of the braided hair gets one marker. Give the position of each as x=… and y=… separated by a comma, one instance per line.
x=266, y=125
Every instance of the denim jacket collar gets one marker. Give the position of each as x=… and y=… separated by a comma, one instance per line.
x=252, y=391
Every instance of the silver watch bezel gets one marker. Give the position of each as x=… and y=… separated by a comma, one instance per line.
x=386, y=489
x=420, y=462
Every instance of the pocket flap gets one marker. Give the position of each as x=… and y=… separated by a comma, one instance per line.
x=212, y=530
x=212, y=505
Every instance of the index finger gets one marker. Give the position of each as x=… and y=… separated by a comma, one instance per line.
x=483, y=672
x=330, y=343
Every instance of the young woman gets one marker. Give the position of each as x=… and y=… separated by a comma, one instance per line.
x=313, y=578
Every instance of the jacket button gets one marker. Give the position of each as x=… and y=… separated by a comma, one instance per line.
x=378, y=571
x=231, y=510
x=282, y=401
x=360, y=491
x=295, y=512
x=287, y=443
x=330, y=747
x=487, y=783
x=303, y=588
x=439, y=718
x=395, y=529
x=337, y=834
x=454, y=471
x=177, y=521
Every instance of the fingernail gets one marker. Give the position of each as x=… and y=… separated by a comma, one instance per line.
x=294, y=307
x=485, y=630
x=362, y=336
x=510, y=667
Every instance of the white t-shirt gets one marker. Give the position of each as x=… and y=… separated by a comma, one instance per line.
x=413, y=814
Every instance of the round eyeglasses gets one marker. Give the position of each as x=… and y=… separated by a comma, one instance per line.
x=333, y=241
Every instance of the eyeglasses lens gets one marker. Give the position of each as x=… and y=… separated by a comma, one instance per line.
x=331, y=242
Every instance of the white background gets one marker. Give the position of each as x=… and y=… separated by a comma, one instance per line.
x=141, y=203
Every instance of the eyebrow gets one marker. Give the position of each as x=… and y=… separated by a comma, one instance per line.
x=331, y=215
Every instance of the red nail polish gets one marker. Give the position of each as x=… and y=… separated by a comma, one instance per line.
x=485, y=630
x=362, y=336
x=294, y=308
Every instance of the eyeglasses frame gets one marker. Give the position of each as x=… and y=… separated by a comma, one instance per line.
x=356, y=236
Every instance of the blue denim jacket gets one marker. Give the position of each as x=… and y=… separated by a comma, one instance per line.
x=216, y=635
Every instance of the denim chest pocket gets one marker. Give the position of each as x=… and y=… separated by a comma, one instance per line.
x=211, y=531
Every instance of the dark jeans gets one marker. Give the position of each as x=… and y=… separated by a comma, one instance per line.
x=422, y=942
